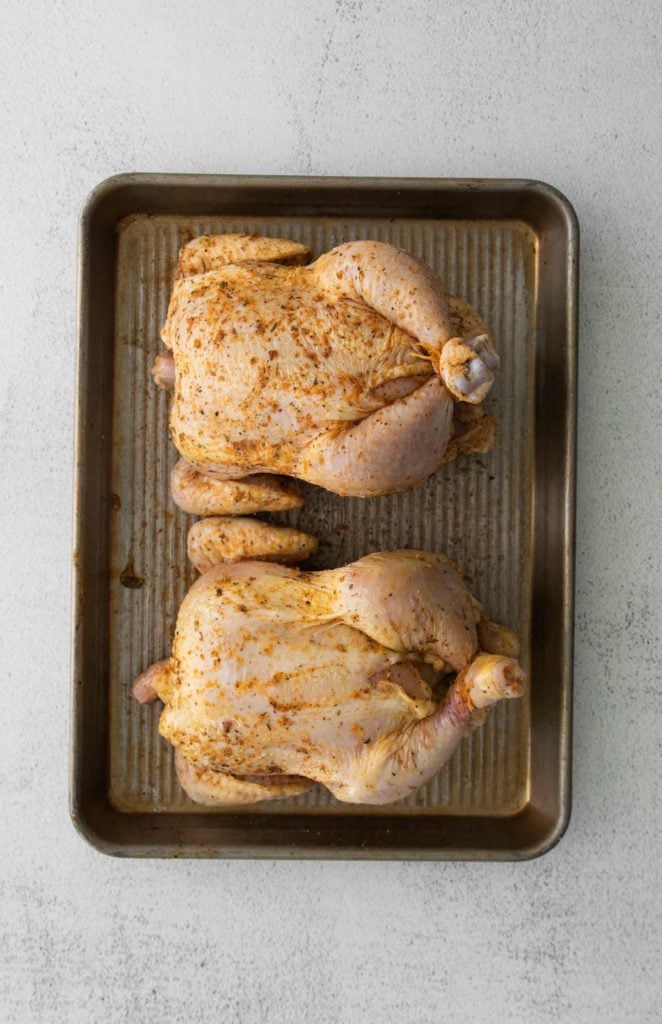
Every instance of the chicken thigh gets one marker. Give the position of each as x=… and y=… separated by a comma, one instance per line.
x=344, y=372
x=280, y=678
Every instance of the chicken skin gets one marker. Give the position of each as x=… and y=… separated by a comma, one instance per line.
x=345, y=372
x=280, y=678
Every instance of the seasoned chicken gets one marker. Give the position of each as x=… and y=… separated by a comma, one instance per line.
x=227, y=539
x=345, y=372
x=280, y=678
x=204, y=495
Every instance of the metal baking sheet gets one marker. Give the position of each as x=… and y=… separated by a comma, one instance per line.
x=510, y=248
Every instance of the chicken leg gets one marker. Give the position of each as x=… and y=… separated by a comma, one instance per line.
x=393, y=449
x=404, y=292
x=390, y=774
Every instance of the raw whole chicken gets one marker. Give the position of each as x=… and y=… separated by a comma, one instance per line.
x=281, y=678
x=356, y=372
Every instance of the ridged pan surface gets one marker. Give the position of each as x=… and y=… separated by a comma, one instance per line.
x=478, y=509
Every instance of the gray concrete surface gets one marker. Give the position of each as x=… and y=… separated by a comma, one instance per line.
x=570, y=93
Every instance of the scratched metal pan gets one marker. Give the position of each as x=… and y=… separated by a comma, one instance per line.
x=507, y=518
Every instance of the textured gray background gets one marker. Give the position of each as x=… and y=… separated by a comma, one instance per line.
x=567, y=92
